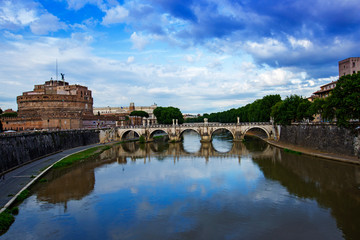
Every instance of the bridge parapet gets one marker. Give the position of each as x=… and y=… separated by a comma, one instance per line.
x=205, y=130
x=211, y=124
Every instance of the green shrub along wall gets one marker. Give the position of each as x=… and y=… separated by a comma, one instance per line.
x=22, y=148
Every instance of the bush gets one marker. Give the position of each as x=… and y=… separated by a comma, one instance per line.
x=142, y=139
x=6, y=219
x=23, y=195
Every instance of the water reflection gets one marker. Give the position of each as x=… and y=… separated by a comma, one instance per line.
x=218, y=190
x=79, y=181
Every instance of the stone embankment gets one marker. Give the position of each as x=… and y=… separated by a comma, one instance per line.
x=323, y=140
x=19, y=149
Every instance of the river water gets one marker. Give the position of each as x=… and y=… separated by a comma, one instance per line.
x=189, y=190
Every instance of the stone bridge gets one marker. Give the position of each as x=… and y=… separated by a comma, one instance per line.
x=175, y=131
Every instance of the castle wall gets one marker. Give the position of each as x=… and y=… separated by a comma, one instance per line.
x=53, y=105
x=22, y=148
x=23, y=124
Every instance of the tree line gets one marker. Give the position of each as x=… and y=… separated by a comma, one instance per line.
x=258, y=111
x=342, y=106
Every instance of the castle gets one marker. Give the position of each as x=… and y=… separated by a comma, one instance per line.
x=58, y=105
x=53, y=105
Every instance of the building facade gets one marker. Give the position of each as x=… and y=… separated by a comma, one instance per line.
x=349, y=66
x=325, y=90
x=125, y=111
x=52, y=105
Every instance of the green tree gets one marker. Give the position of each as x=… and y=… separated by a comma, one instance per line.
x=258, y=111
x=304, y=110
x=292, y=109
x=344, y=102
x=321, y=106
x=9, y=114
x=139, y=114
x=165, y=115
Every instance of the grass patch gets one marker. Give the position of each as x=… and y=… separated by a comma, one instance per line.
x=157, y=137
x=292, y=151
x=23, y=195
x=15, y=211
x=6, y=219
x=43, y=180
x=95, y=151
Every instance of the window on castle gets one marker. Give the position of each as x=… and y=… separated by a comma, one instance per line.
x=353, y=64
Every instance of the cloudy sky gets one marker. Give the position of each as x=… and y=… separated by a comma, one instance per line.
x=197, y=55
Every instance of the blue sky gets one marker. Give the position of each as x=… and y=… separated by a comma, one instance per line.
x=197, y=55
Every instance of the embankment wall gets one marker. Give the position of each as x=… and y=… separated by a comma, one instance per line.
x=22, y=148
x=324, y=137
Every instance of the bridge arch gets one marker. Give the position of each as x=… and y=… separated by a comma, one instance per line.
x=268, y=134
x=189, y=129
x=190, y=145
x=220, y=129
x=125, y=133
x=158, y=130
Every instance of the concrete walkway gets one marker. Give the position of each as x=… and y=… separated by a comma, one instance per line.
x=13, y=182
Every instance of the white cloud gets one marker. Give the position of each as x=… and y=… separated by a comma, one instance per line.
x=46, y=23
x=14, y=14
x=18, y=14
x=304, y=43
x=138, y=41
x=130, y=59
x=10, y=35
x=82, y=37
x=114, y=15
x=268, y=48
x=275, y=77
x=78, y=4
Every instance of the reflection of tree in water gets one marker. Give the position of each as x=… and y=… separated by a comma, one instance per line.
x=72, y=183
x=159, y=147
x=254, y=144
x=331, y=184
x=130, y=147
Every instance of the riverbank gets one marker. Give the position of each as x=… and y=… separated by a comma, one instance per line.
x=314, y=152
x=14, y=182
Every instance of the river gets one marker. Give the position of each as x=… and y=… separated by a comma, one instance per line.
x=189, y=190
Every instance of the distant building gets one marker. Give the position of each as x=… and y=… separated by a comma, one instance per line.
x=349, y=66
x=346, y=67
x=126, y=111
x=53, y=105
x=9, y=111
x=325, y=90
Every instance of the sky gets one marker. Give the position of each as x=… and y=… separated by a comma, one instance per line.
x=200, y=56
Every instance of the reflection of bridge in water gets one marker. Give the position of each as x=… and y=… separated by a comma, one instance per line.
x=134, y=150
